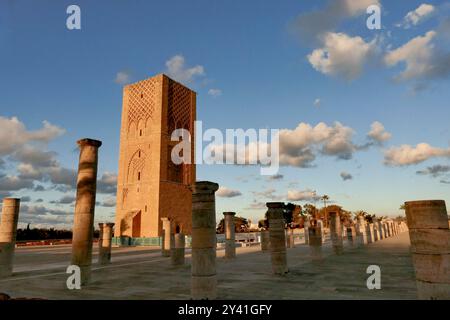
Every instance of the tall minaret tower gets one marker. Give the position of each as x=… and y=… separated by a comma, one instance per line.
x=150, y=186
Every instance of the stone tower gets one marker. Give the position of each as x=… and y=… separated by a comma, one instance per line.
x=150, y=186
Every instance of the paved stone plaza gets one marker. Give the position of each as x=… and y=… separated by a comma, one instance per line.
x=142, y=273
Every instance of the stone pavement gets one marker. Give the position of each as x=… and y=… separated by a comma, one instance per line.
x=142, y=273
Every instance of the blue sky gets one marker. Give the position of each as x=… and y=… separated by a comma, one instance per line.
x=257, y=57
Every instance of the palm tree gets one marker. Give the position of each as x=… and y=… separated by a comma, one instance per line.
x=402, y=207
x=325, y=198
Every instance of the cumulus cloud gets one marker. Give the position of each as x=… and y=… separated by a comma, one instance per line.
x=67, y=199
x=14, y=183
x=416, y=54
x=346, y=176
x=177, y=70
x=408, y=155
x=225, y=192
x=302, y=195
x=298, y=147
x=14, y=134
x=107, y=183
x=267, y=194
x=378, y=133
x=215, y=92
x=341, y=55
x=109, y=202
x=122, y=77
x=314, y=24
x=418, y=15
x=40, y=215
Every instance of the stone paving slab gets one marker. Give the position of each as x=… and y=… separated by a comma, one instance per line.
x=141, y=273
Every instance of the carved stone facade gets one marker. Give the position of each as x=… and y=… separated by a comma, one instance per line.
x=150, y=186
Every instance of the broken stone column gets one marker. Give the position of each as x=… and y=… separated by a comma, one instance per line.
x=376, y=233
x=306, y=224
x=230, y=238
x=167, y=237
x=8, y=231
x=382, y=230
x=291, y=238
x=336, y=232
x=277, y=237
x=105, y=242
x=177, y=250
x=315, y=242
x=351, y=235
x=265, y=240
x=370, y=233
x=203, y=268
x=83, y=221
x=430, y=246
x=361, y=234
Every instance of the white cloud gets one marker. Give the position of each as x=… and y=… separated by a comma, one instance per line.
x=13, y=134
x=109, y=202
x=418, y=15
x=215, y=92
x=317, y=103
x=122, y=77
x=417, y=54
x=225, y=192
x=302, y=195
x=313, y=25
x=341, y=55
x=177, y=70
x=378, y=133
x=407, y=155
x=298, y=147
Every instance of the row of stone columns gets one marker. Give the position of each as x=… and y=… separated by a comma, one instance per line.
x=83, y=225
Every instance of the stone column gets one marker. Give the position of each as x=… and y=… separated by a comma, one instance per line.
x=167, y=237
x=83, y=221
x=8, y=230
x=105, y=242
x=277, y=237
x=336, y=232
x=361, y=231
x=203, y=268
x=265, y=240
x=305, y=229
x=315, y=242
x=291, y=238
x=381, y=230
x=351, y=235
x=177, y=250
x=370, y=233
x=376, y=233
x=230, y=239
x=430, y=246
